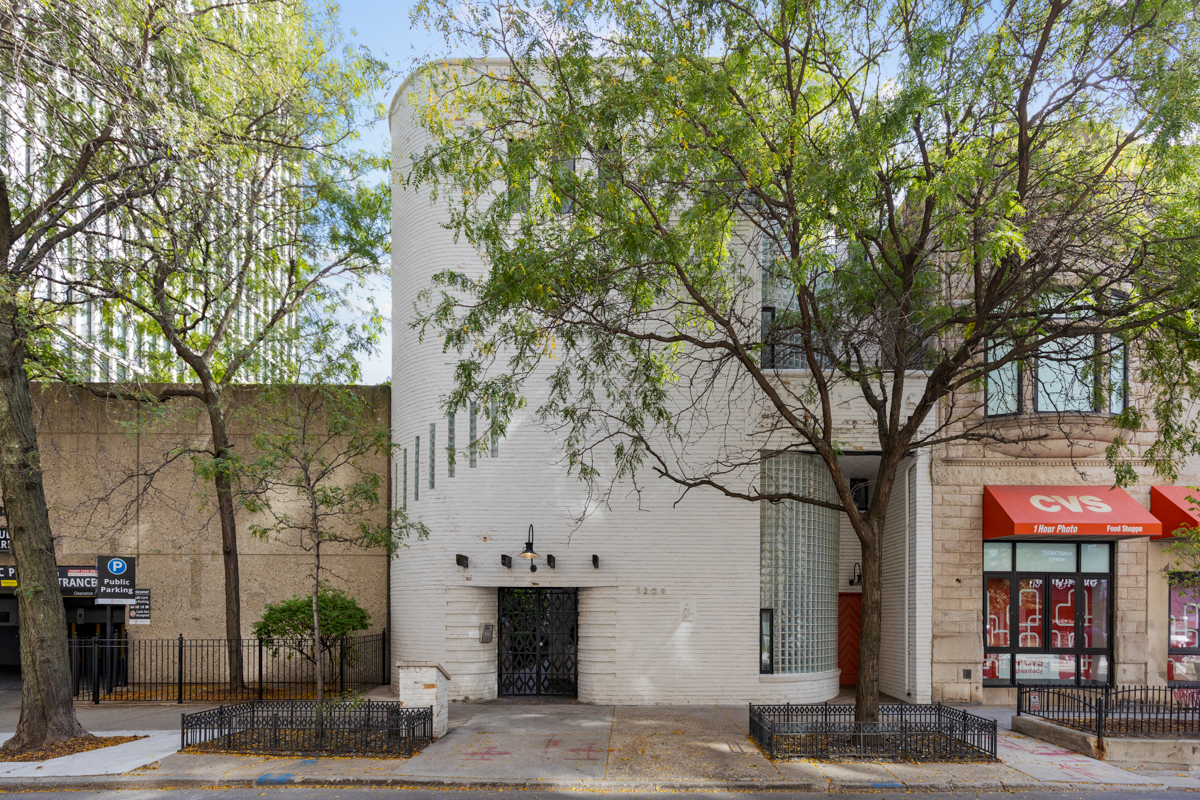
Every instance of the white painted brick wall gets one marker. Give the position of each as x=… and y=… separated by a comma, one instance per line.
x=671, y=616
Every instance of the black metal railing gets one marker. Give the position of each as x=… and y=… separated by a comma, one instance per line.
x=305, y=727
x=180, y=670
x=903, y=732
x=1119, y=710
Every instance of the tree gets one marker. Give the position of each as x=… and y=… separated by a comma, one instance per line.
x=276, y=221
x=929, y=194
x=99, y=105
x=293, y=624
x=312, y=483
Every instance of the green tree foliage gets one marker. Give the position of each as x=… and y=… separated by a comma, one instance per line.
x=340, y=615
x=277, y=219
x=899, y=183
x=314, y=481
x=105, y=105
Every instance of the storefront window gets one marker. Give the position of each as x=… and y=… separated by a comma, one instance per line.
x=766, y=640
x=1048, y=612
x=1183, y=634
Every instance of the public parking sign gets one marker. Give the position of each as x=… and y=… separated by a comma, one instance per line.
x=115, y=580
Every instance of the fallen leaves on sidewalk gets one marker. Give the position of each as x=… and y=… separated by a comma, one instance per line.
x=80, y=744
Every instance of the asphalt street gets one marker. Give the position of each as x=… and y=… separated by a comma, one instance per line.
x=443, y=794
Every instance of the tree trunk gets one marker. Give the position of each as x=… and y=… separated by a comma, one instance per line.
x=229, y=551
x=866, y=694
x=47, y=708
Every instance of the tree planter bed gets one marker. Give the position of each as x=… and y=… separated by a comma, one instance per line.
x=903, y=733
x=304, y=727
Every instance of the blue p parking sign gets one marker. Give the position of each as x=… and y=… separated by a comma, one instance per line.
x=115, y=580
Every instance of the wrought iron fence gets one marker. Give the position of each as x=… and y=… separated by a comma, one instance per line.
x=305, y=727
x=179, y=670
x=903, y=733
x=1119, y=710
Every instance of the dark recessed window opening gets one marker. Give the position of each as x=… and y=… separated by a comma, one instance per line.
x=766, y=641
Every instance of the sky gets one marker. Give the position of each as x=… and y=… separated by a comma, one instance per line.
x=384, y=28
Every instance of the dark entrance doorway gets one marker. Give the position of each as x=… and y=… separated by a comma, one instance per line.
x=849, y=632
x=538, y=642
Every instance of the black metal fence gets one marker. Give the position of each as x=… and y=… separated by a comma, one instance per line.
x=1120, y=710
x=305, y=727
x=903, y=733
x=179, y=670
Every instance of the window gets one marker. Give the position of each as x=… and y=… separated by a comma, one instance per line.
x=432, y=452
x=495, y=409
x=564, y=169
x=1047, y=612
x=404, y=479
x=417, y=469
x=766, y=641
x=1079, y=374
x=474, y=416
x=860, y=488
x=450, y=445
x=517, y=175
x=1183, y=633
x=1002, y=394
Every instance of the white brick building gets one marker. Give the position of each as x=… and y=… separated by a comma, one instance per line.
x=670, y=593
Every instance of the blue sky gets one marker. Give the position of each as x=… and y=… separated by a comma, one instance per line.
x=384, y=28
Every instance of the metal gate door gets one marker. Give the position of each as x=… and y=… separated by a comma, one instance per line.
x=538, y=642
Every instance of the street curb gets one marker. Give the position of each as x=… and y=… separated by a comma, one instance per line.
x=131, y=782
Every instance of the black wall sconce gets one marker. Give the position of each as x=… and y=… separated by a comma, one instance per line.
x=550, y=562
x=856, y=574
x=506, y=561
x=528, y=551
x=595, y=562
x=461, y=560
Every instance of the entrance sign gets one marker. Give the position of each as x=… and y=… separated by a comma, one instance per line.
x=1064, y=512
x=72, y=581
x=77, y=581
x=139, y=612
x=116, y=580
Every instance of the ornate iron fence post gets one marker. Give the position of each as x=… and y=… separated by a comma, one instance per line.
x=179, y=673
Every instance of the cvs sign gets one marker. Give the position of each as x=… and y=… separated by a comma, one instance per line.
x=1071, y=502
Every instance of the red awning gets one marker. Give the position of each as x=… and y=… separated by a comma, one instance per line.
x=1173, y=509
x=1064, y=512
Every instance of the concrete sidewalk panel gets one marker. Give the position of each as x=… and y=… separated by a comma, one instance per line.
x=538, y=720
x=858, y=776
x=683, y=743
x=485, y=756
x=111, y=760
x=220, y=766
x=802, y=773
x=954, y=777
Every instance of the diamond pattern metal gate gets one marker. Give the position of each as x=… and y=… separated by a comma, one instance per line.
x=539, y=642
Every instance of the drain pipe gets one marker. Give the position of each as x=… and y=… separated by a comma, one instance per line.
x=907, y=572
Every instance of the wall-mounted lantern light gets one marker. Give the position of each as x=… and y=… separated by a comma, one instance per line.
x=856, y=574
x=461, y=560
x=528, y=552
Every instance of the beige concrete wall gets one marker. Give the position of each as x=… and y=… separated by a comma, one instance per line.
x=98, y=455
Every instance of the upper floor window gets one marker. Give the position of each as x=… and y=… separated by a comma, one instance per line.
x=1077, y=374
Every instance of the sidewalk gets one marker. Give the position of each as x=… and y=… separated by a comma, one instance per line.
x=568, y=746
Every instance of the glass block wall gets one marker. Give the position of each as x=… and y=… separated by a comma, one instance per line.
x=798, y=545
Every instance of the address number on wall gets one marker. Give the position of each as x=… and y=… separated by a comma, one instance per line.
x=646, y=590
